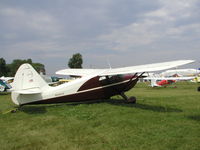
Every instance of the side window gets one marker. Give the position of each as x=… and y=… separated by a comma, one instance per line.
x=105, y=80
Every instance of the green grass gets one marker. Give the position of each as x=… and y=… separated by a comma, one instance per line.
x=163, y=118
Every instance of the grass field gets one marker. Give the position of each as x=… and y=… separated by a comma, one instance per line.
x=162, y=119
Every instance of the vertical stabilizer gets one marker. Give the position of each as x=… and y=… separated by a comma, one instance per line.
x=27, y=82
x=154, y=83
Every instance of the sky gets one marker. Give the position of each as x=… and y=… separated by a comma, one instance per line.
x=121, y=32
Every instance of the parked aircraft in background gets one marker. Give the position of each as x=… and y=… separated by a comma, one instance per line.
x=4, y=86
x=171, y=76
x=180, y=72
x=164, y=81
x=196, y=79
x=30, y=88
x=7, y=79
x=51, y=80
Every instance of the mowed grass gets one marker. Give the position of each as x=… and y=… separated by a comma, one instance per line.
x=162, y=119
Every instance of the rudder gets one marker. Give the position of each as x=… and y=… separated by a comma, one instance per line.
x=26, y=81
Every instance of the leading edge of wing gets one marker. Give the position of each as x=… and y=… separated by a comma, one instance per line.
x=79, y=72
x=147, y=68
x=125, y=70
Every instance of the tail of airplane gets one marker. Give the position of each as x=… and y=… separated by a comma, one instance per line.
x=27, y=82
x=153, y=83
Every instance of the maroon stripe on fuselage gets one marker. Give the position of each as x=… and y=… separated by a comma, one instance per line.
x=90, y=84
x=100, y=81
x=92, y=90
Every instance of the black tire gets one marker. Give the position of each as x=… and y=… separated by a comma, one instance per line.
x=132, y=100
x=198, y=89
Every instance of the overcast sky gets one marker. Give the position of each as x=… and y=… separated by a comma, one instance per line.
x=125, y=32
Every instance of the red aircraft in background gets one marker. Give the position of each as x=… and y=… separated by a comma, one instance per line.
x=164, y=81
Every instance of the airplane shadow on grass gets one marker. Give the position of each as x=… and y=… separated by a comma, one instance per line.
x=194, y=117
x=33, y=109
x=143, y=106
x=39, y=109
x=121, y=102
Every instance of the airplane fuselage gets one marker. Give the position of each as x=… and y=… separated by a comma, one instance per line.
x=30, y=88
x=83, y=89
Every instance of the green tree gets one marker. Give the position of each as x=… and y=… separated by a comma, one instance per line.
x=76, y=61
x=15, y=65
x=3, y=67
x=39, y=67
x=18, y=62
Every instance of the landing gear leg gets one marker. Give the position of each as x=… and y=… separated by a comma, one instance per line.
x=131, y=99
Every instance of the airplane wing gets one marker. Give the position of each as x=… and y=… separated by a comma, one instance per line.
x=125, y=70
x=79, y=72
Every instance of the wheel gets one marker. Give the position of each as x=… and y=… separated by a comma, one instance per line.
x=198, y=89
x=13, y=111
x=132, y=99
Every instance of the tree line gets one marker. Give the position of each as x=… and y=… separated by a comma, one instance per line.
x=11, y=69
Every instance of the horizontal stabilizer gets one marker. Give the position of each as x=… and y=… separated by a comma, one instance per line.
x=29, y=91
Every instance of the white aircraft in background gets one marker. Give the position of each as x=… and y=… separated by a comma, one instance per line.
x=30, y=88
x=6, y=84
x=51, y=80
x=4, y=87
x=7, y=79
x=180, y=72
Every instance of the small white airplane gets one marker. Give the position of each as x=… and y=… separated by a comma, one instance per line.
x=30, y=88
x=6, y=84
x=7, y=79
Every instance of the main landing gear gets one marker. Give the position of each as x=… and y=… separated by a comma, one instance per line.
x=131, y=99
x=130, y=85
